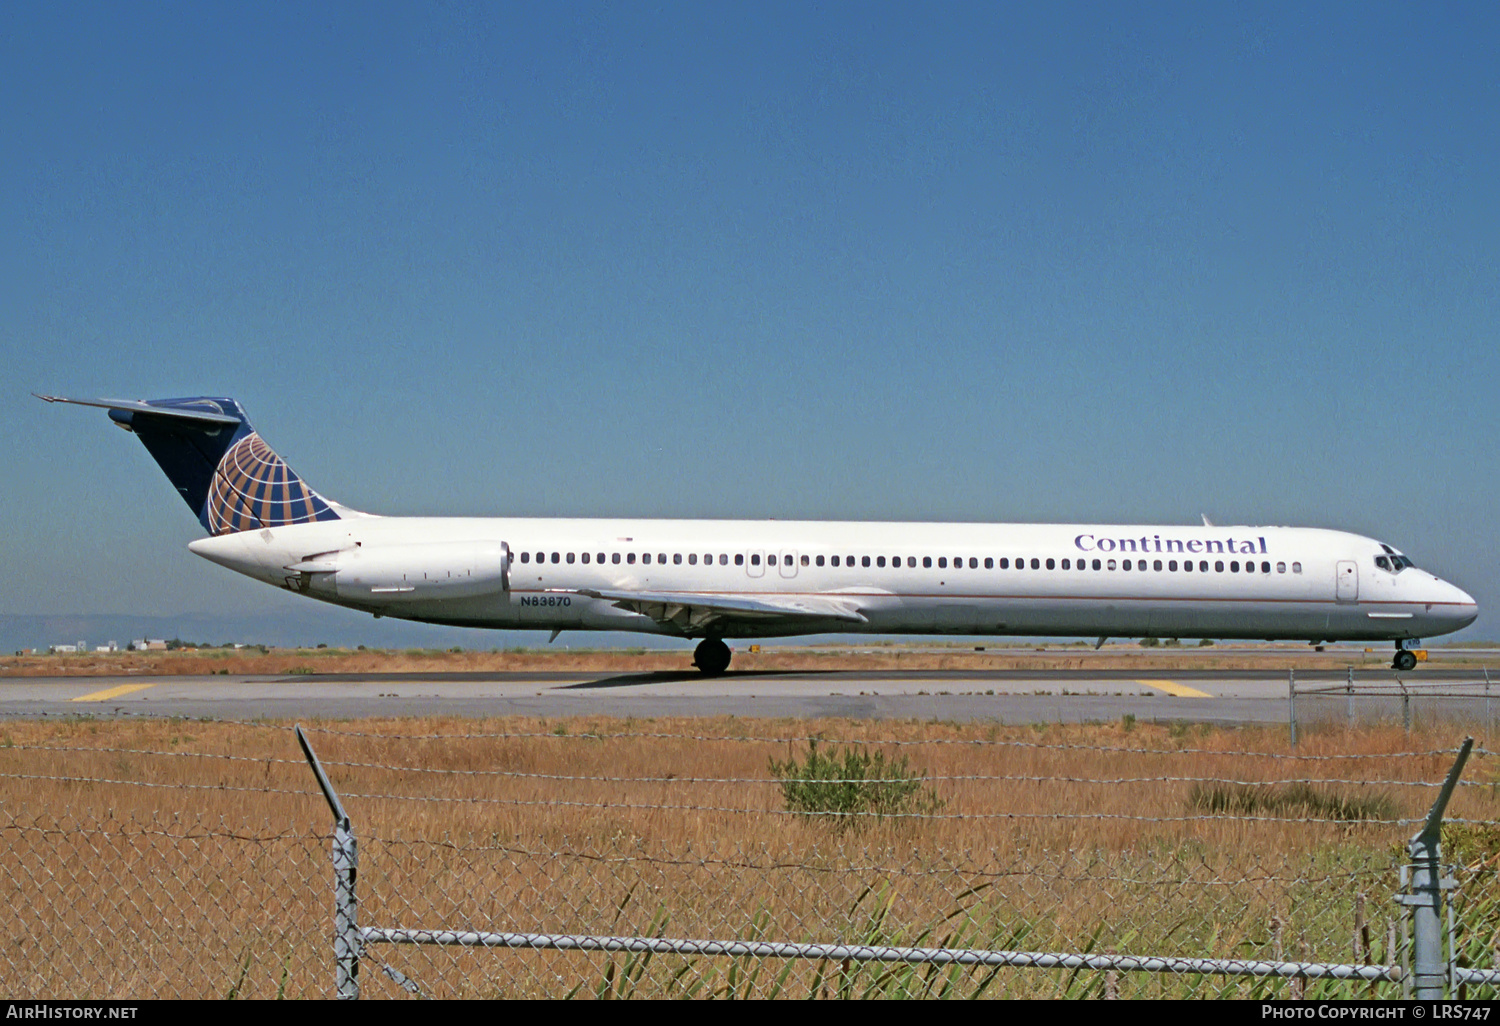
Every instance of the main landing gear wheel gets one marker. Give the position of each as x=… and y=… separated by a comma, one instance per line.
x=1405, y=661
x=712, y=657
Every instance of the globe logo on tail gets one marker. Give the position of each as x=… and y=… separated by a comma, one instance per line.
x=254, y=488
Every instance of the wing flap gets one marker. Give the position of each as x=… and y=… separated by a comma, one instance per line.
x=691, y=612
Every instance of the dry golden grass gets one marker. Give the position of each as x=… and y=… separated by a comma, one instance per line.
x=216, y=877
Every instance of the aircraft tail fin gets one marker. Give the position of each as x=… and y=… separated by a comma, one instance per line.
x=230, y=478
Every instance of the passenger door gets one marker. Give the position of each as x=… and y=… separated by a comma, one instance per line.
x=1347, y=586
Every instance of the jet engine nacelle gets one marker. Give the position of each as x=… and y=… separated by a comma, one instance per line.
x=414, y=572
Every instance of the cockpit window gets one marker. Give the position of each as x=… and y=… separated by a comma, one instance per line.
x=1395, y=562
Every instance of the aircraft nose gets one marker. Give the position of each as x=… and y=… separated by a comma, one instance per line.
x=1457, y=606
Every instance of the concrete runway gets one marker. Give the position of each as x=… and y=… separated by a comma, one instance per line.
x=1003, y=696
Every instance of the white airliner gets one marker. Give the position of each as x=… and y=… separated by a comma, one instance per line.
x=717, y=579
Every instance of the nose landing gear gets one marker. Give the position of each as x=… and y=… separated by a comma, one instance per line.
x=712, y=657
x=1405, y=660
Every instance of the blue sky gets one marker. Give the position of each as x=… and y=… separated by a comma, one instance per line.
x=1105, y=263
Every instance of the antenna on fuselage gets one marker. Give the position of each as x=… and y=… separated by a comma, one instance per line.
x=1206, y=522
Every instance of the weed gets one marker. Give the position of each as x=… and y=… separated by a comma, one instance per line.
x=851, y=782
x=1291, y=800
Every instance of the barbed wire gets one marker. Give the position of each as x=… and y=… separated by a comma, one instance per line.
x=815, y=739
x=178, y=785
x=1368, y=873
x=676, y=779
x=738, y=810
x=818, y=814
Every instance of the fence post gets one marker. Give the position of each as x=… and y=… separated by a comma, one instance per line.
x=1291, y=704
x=1405, y=707
x=1349, y=698
x=1430, y=969
x=1487, y=720
x=346, y=942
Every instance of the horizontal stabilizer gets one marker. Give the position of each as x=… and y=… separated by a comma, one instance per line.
x=179, y=413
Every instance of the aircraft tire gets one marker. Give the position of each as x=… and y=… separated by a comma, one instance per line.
x=712, y=657
x=1405, y=661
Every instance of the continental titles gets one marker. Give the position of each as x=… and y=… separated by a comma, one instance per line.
x=1156, y=543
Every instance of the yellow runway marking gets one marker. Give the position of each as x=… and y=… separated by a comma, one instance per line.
x=104, y=696
x=1174, y=689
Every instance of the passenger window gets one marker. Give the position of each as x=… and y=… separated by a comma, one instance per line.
x=1111, y=564
x=820, y=560
x=834, y=560
x=880, y=561
x=676, y=559
x=1125, y=564
x=1097, y=565
x=1004, y=562
x=1036, y=564
x=556, y=557
x=1218, y=566
x=754, y=559
x=661, y=557
x=600, y=558
x=1280, y=567
x=973, y=563
x=585, y=557
x=804, y=561
x=526, y=557
x=927, y=562
x=864, y=561
x=630, y=557
x=911, y=561
x=1234, y=567
x=1187, y=566
x=1051, y=564
x=1203, y=566
x=1172, y=564
x=1296, y=568
x=942, y=562
x=646, y=557
x=1067, y=565
x=614, y=557
x=692, y=559
x=724, y=559
x=1156, y=564
x=570, y=557
x=989, y=562
x=1265, y=567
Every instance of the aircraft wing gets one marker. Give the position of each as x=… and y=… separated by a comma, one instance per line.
x=691, y=613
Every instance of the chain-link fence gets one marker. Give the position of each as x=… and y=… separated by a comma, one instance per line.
x=1422, y=703
x=510, y=859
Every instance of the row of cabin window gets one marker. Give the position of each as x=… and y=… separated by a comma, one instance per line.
x=1171, y=565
